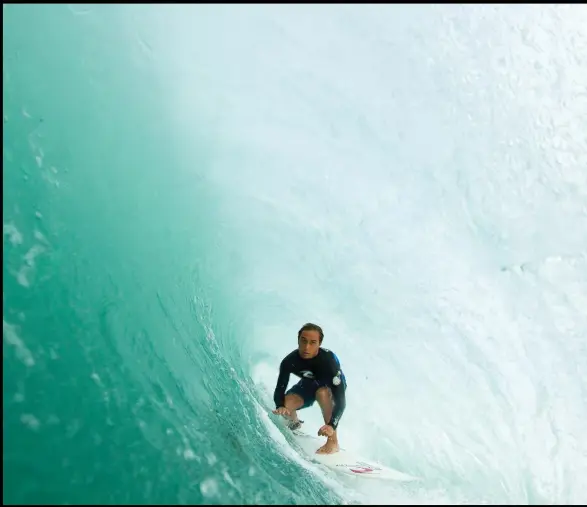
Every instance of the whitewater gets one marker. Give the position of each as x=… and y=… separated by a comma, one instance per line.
x=184, y=186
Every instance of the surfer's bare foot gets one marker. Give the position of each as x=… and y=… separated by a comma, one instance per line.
x=330, y=447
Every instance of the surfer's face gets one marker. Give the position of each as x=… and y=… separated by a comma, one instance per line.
x=309, y=344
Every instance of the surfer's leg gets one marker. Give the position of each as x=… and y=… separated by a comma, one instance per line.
x=295, y=399
x=324, y=399
x=293, y=402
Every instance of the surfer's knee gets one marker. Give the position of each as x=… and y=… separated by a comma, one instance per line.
x=293, y=401
x=323, y=393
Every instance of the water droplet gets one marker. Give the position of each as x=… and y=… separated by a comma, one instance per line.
x=189, y=454
x=31, y=421
x=209, y=487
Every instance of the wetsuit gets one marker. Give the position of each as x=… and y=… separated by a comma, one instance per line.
x=319, y=371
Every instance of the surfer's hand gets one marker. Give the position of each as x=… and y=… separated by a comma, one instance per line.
x=326, y=431
x=281, y=411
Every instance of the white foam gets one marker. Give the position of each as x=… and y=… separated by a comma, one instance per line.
x=11, y=337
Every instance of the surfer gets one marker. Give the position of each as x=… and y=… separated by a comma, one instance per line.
x=322, y=380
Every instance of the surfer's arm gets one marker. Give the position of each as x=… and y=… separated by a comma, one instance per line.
x=282, y=381
x=338, y=392
x=339, y=398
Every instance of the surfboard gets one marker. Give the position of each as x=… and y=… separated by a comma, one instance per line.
x=346, y=462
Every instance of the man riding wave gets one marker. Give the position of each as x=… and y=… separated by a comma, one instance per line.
x=322, y=380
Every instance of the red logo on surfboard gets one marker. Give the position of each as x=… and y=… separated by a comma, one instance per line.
x=361, y=470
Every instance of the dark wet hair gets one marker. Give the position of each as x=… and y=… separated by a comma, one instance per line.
x=311, y=327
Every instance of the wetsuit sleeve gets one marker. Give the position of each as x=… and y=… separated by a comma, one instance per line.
x=338, y=392
x=282, y=381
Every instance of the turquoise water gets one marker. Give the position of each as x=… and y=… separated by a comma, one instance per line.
x=184, y=186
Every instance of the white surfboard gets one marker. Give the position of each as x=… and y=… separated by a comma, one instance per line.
x=346, y=462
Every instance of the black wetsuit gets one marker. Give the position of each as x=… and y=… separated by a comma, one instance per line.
x=319, y=371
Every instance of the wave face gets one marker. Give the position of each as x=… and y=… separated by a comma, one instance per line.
x=184, y=186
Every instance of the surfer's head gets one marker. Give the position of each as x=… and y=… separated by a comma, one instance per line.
x=310, y=338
